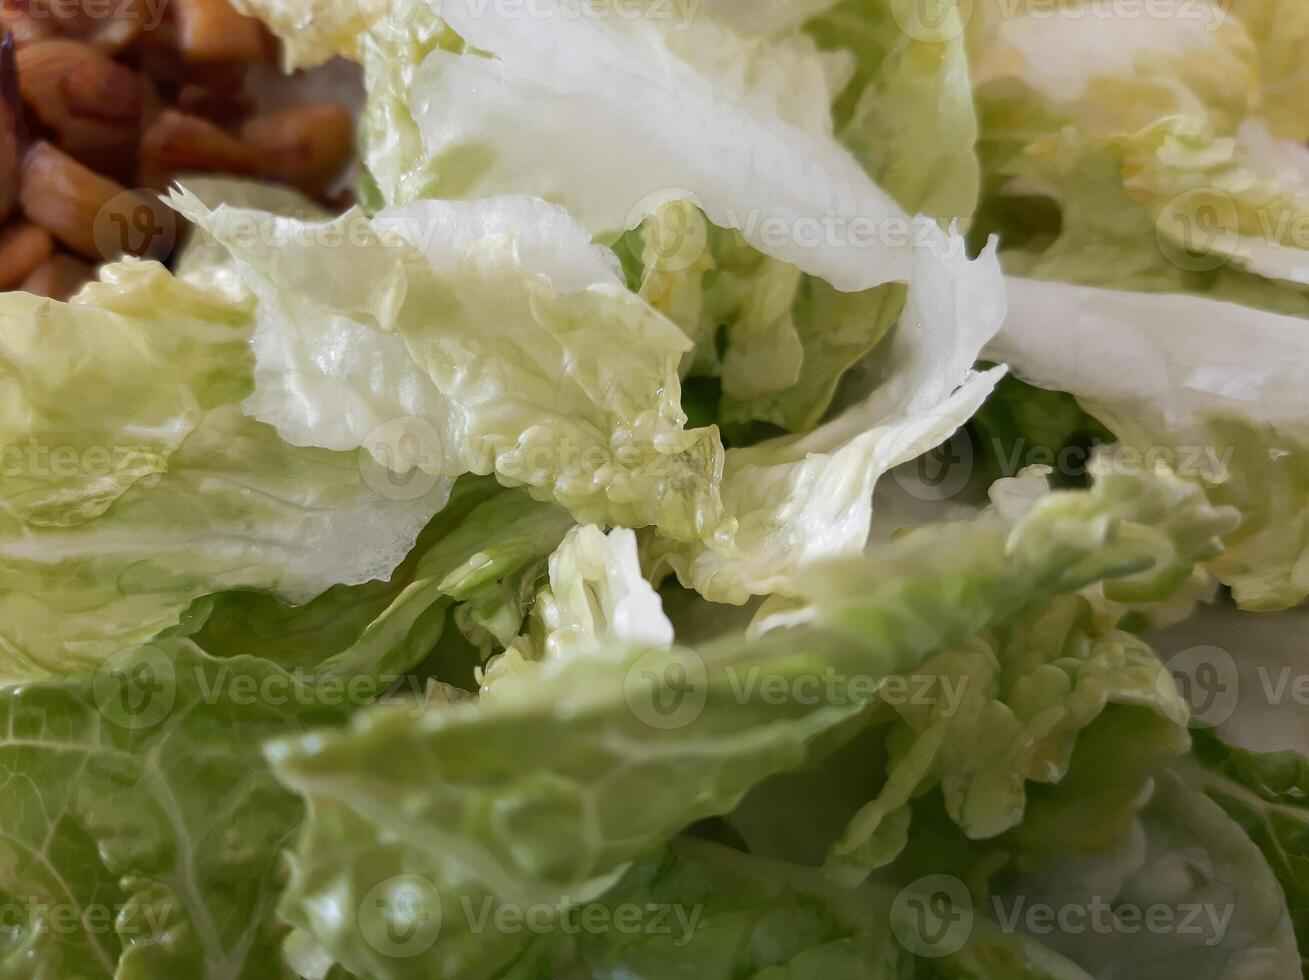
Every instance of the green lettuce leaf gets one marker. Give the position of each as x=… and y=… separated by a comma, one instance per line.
x=1144, y=365
x=182, y=351
x=734, y=124
x=1267, y=794
x=140, y=827
x=1206, y=152
x=232, y=506
x=727, y=914
x=542, y=795
x=996, y=715
x=484, y=337
x=595, y=598
x=804, y=498
x=470, y=557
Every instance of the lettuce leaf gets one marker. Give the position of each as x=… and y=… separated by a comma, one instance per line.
x=1210, y=155
x=110, y=562
x=799, y=499
x=484, y=337
x=1145, y=366
x=1004, y=711
x=738, y=126
x=1264, y=793
x=136, y=843
x=540, y=796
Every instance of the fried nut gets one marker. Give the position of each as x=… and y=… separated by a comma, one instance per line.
x=23, y=248
x=64, y=197
x=211, y=30
x=59, y=277
x=178, y=143
x=305, y=146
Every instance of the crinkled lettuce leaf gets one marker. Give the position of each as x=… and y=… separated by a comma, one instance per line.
x=484, y=337
x=180, y=352
x=509, y=345
x=140, y=828
x=111, y=561
x=543, y=794
x=1205, y=151
x=1265, y=793
x=802, y=498
x=1002, y=712
x=596, y=597
x=468, y=564
x=1211, y=388
x=737, y=125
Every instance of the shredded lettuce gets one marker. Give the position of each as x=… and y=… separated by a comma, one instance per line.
x=746, y=491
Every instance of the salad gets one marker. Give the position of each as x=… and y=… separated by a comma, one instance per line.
x=803, y=489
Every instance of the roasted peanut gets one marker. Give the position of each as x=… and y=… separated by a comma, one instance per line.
x=210, y=30
x=23, y=247
x=58, y=277
x=22, y=25
x=93, y=104
x=10, y=126
x=130, y=18
x=177, y=143
x=64, y=197
x=305, y=146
